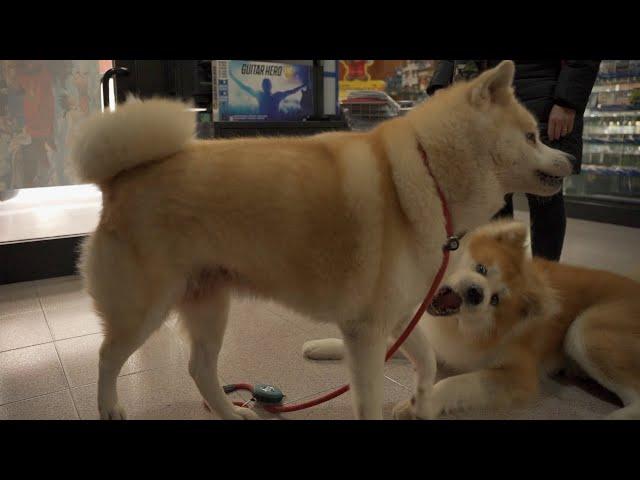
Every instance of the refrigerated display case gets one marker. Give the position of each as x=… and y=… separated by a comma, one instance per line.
x=609, y=187
x=43, y=214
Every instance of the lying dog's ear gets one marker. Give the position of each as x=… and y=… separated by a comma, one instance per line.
x=510, y=233
x=494, y=85
x=513, y=234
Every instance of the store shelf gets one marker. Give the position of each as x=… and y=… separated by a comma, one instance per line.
x=612, y=113
x=609, y=170
x=621, y=155
x=608, y=189
x=616, y=87
x=631, y=74
x=618, y=138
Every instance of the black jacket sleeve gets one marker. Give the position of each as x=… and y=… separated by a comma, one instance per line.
x=575, y=82
x=442, y=76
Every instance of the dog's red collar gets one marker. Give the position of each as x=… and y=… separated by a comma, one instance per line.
x=453, y=240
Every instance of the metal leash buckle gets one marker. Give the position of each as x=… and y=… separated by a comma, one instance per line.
x=453, y=243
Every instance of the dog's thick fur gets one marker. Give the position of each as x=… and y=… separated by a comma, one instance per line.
x=343, y=227
x=550, y=317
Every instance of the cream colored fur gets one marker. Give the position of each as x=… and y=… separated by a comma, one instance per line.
x=342, y=227
x=110, y=143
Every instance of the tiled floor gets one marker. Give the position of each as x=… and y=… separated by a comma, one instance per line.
x=49, y=340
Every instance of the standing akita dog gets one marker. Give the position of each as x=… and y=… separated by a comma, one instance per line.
x=343, y=227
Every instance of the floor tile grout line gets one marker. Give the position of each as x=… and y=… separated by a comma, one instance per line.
x=398, y=383
x=55, y=340
x=27, y=346
x=51, y=341
x=38, y=396
x=144, y=370
x=22, y=312
x=339, y=385
x=295, y=323
x=55, y=347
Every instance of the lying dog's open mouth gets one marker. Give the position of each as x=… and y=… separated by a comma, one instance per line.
x=445, y=302
x=549, y=180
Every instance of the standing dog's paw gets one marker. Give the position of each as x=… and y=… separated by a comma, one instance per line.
x=243, y=413
x=114, y=413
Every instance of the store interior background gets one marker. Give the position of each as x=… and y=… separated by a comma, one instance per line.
x=48, y=334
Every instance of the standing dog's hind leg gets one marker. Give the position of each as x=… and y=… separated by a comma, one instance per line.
x=205, y=320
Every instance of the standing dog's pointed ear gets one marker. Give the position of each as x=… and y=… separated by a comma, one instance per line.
x=493, y=85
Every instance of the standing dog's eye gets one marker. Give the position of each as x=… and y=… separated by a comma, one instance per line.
x=481, y=269
x=495, y=299
x=531, y=137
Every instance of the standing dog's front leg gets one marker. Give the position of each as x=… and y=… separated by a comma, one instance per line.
x=419, y=350
x=365, y=355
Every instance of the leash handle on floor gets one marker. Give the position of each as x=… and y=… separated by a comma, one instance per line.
x=453, y=242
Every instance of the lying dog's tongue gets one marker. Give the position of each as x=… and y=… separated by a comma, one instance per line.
x=445, y=302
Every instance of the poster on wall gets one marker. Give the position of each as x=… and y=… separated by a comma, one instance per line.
x=356, y=75
x=42, y=103
x=250, y=91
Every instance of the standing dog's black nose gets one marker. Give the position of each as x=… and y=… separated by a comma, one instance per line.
x=575, y=165
x=475, y=295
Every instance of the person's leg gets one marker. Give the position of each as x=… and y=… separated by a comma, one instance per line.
x=507, y=210
x=548, y=225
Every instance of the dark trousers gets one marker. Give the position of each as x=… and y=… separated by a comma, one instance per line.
x=548, y=223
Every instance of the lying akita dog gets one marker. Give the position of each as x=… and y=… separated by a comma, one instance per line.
x=505, y=319
x=343, y=227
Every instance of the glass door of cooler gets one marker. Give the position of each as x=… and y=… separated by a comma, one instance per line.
x=42, y=105
x=611, y=152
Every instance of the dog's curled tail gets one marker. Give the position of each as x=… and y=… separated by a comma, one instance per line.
x=137, y=132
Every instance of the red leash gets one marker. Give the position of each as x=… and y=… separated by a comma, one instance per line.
x=452, y=244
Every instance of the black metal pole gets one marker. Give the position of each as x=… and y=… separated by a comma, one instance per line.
x=318, y=90
x=104, y=82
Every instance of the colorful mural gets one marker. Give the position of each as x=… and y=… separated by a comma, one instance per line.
x=42, y=102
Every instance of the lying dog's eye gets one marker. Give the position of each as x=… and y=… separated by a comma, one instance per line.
x=481, y=269
x=495, y=299
x=531, y=137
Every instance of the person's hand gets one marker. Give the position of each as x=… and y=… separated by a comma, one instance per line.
x=560, y=122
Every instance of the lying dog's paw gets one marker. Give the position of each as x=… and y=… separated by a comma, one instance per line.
x=408, y=410
x=404, y=411
x=113, y=413
x=324, y=349
x=243, y=413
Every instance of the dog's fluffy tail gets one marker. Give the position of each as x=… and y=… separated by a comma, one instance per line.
x=136, y=133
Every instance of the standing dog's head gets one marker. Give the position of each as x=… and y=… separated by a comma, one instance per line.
x=485, y=115
x=490, y=285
